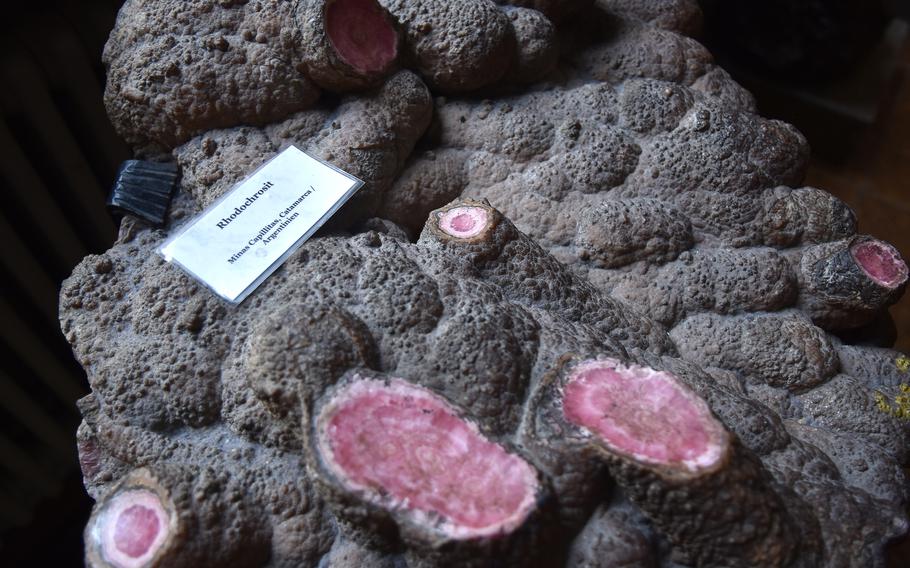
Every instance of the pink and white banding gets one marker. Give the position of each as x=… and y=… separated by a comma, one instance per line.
x=361, y=34
x=881, y=262
x=132, y=528
x=404, y=448
x=464, y=222
x=644, y=413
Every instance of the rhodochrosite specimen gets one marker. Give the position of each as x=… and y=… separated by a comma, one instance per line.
x=582, y=313
x=645, y=414
x=881, y=262
x=464, y=222
x=362, y=34
x=134, y=527
x=406, y=448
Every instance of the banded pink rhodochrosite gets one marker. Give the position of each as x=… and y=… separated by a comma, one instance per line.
x=132, y=529
x=881, y=262
x=644, y=413
x=464, y=222
x=362, y=34
x=406, y=448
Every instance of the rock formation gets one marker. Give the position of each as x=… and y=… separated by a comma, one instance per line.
x=583, y=313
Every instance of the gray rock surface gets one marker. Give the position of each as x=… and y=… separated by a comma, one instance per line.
x=629, y=206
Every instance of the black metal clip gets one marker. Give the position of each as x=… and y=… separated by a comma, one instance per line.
x=144, y=189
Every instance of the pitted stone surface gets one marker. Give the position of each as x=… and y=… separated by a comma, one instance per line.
x=552, y=182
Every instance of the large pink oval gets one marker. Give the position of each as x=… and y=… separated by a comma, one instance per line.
x=407, y=449
x=643, y=413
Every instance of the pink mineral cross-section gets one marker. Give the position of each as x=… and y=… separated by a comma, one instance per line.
x=406, y=448
x=361, y=34
x=464, y=222
x=881, y=262
x=133, y=529
x=643, y=413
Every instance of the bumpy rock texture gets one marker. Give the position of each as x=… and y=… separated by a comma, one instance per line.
x=581, y=314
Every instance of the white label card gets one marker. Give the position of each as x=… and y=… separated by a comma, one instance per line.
x=235, y=244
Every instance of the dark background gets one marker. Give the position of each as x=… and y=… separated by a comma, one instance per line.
x=839, y=70
x=58, y=156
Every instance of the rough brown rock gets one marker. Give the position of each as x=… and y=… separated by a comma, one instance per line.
x=620, y=203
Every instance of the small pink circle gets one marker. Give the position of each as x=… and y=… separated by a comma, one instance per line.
x=464, y=222
x=135, y=530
